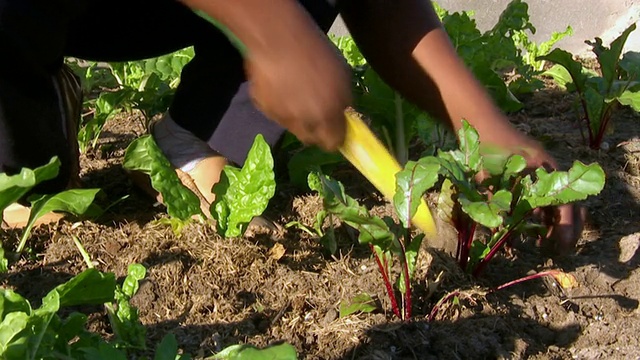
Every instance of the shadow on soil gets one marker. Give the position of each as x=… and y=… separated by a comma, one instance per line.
x=476, y=337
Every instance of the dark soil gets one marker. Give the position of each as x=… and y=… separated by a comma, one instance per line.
x=213, y=292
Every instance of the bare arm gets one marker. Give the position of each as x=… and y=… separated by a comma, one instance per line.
x=296, y=77
x=406, y=44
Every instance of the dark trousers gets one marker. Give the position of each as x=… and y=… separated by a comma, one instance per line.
x=211, y=101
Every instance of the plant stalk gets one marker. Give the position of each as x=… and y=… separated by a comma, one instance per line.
x=401, y=148
x=387, y=283
x=526, y=278
x=494, y=249
x=438, y=305
x=407, y=280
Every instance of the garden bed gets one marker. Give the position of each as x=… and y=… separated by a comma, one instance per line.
x=213, y=292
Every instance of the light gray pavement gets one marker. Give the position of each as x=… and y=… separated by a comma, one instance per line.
x=588, y=18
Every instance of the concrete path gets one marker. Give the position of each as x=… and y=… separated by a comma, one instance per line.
x=588, y=18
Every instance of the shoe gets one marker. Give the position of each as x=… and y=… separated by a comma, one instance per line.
x=69, y=90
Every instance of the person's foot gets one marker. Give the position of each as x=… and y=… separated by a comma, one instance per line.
x=190, y=155
x=198, y=166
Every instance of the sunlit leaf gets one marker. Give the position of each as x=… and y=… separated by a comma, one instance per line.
x=411, y=184
x=248, y=352
x=242, y=194
x=144, y=155
x=361, y=303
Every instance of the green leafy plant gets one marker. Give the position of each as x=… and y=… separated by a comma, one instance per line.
x=15, y=187
x=506, y=209
x=361, y=303
x=533, y=50
x=327, y=238
x=502, y=203
x=242, y=194
x=505, y=47
x=146, y=85
x=144, y=155
x=74, y=201
x=27, y=333
x=599, y=96
x=385, y=237
x=488, y=54
x=247, y=352
x=124, y=317
x=105, y=107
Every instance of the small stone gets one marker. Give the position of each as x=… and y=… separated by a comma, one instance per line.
x=628, y=247
x=329, y=317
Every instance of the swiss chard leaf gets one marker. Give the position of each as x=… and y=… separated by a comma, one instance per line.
x=39, y=322
x=248, y=352
x=361, y=303
x=595, y=108
x=4, y=262
x=609, y=57
x=13, y=343
x=411, y=184
x=573, y=67
x=168, y=349
x=135, y=274
x=244, y=193
x=350, y=50
x=469, y=154
x=630, y=63
x=126, y=322
x=144, y=155
x=14, y=187
x=372, y=229
x=12, y=302
x=90, y=287
x=411, y=254
x=74, y=201
x=563, y=187
x=478, y=251
x=630, y=98
x=488, y=213
x=514, y=166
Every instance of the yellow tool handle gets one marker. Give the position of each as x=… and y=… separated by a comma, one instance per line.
x=367, y=154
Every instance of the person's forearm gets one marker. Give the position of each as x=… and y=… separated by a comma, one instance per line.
x=404, y=41
x=266, y=28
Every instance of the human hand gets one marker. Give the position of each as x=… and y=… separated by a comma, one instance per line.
x=306, y=90
x=564, y=223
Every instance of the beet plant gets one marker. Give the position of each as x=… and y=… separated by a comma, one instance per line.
x=503, y=203
x=384, y=236
x=599, y=96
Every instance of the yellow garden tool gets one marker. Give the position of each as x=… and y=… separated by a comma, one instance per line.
x=362, y=149
x=373, y=160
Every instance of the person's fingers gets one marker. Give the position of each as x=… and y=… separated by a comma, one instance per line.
x=565, y=224
x=332, y=135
